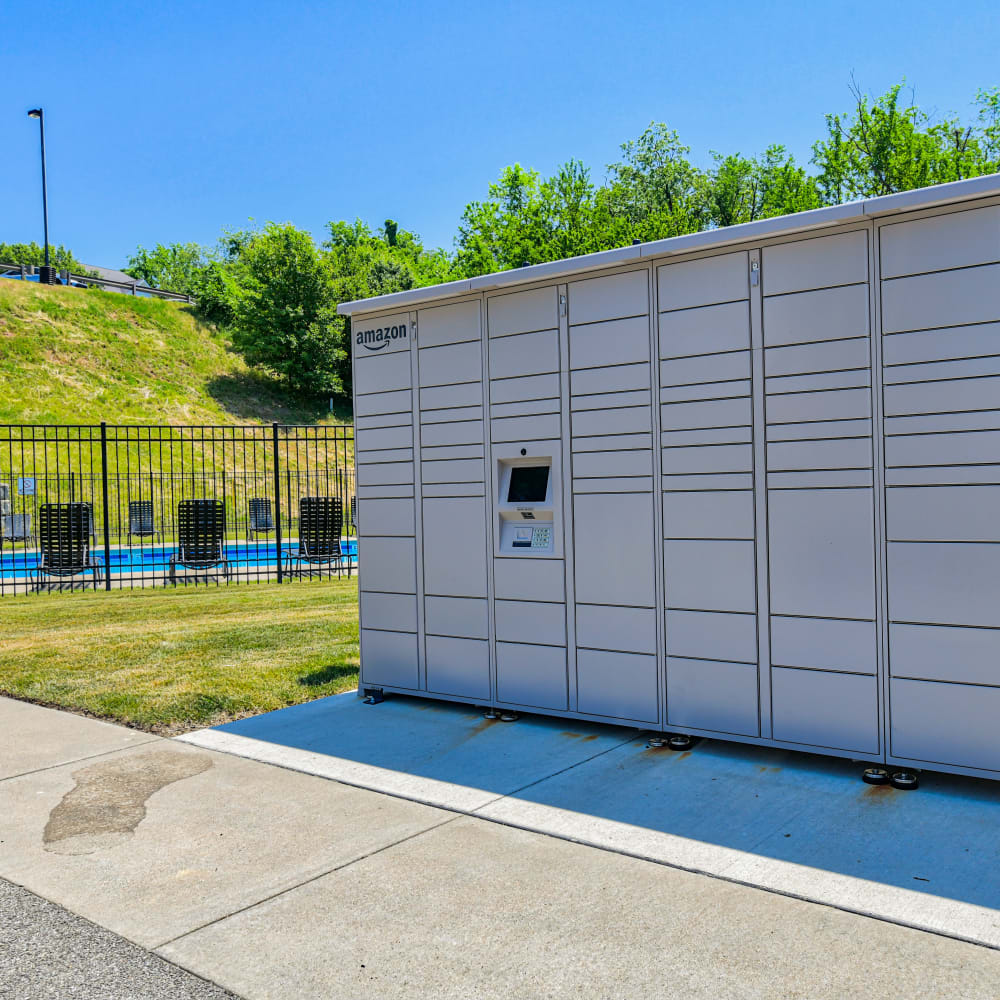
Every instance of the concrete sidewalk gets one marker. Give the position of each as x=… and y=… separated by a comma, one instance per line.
x=277, y=883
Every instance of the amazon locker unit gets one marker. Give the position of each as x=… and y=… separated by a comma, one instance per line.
x=742, y=484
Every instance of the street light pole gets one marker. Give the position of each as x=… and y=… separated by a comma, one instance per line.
x=38, y=113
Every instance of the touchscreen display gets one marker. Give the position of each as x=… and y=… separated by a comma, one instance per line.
x=528, y=484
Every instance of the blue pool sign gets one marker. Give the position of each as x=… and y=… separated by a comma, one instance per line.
x=26, y=486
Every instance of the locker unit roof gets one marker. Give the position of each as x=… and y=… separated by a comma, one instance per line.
x=856, y=211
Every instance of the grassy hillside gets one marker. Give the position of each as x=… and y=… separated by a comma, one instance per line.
x=69, y=356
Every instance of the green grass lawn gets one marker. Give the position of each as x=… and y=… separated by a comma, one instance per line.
x=168, y=661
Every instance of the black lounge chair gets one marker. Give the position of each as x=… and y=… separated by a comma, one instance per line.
x=321, y=520
x=64, y=532
x=201, y=531
x=17, y=528
x=141, y=522
x=260, y=520
x=354, y=514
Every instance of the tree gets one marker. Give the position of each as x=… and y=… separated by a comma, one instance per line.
x=177, y=267
x=284, y=321
x=32, y=253
x=744, y=189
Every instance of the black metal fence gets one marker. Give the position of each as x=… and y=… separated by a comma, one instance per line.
x=111, y=507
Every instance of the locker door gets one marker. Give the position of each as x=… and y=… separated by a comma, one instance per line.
x=820, y=493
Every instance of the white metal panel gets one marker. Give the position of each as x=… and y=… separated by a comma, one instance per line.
x=533, y=428
x=383, y=372
x=825, y=709
x=452, y=526
x=723, y=278
x=705, y=330
x=438, y=453
x=471, y=470
x=952, y=395
x=524, y=354
x=620, y=378
x=846, y=453
x=945, y=653
x=824, y=643
x=448, y=324
x=621, y=484
x=710, y=575
x=371, y=492
x=450, y=364
x=707, y=694
x=613, y=463
x=533, y=676
x=613, y=442
x=612, y=297
x=529, y=579
x=384, y=472
x=946, y=298
x=826, y=314
x=400, y=401
x=618, y=685
x=606, y=400
x=824, y=356
x=385, y=455
x=510, y=390
x=389, y=659
x=709, y=481
x=457, y=616
x=820, y=479
x=933, y=514
x=707, y=435
x=383, y=420
x=822, y=553
x=446, y=396
x=728, y=367
x=958, y=239
x=712, y=635
x=387, y=564
x=964, y=448
x=820, y=262
x=613, y=549
x=601, y=626
x=523, y=312
x=531, y=621
x=978, y=340
x=713, y=390
x=701, y=514
x=456, y=432
x=832, y=404
x=451, y=414
x=389, y=612
x=707, y=459
x=387, y=516
x=620, y=341
x=817, y=430
x=956, y=368
x=945, y=583
x=383, y=437
x=708, y=413
x=621, y=420
x=953, y=724
x=525, y=409
x=458, y=667
x=814, y=381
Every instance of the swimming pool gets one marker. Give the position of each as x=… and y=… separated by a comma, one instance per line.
x=151, y=562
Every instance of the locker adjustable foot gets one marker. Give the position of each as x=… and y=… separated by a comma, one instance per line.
x=875, y=776
x=509, y=716
x=491, y=713
x=657, y=742
x=680, y=741
x=905, y=780
x=374, y=696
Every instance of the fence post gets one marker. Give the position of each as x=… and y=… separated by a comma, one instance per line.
x=104, y=481
x=277, y=499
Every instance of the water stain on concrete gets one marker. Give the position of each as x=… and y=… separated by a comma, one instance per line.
x=879, y=793
x=109, y=799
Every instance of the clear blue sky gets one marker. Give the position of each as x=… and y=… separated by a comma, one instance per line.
x=168, y=121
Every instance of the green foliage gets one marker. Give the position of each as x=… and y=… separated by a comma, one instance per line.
x=32, y=253
x=744, y=189
x=177, y=267
x=280, y=290
x=885, y=146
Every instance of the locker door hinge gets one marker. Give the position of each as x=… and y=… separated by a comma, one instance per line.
x=413, y=330
x=754, y=273
x=562, y=305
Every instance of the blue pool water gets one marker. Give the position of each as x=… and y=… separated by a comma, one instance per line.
x=155, y=560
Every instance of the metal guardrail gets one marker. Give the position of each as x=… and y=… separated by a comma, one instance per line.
x=132, y=287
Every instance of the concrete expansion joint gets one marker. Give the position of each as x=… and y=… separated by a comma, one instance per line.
x=80, y=760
